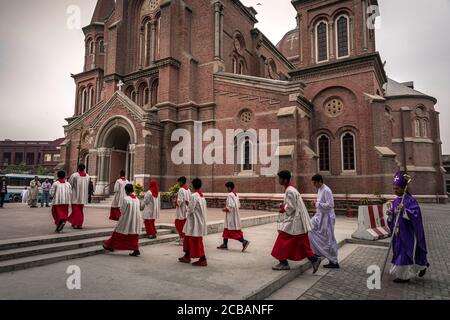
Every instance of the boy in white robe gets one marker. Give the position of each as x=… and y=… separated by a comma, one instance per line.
x=129, y=227
x=152, y=201
x=80, y=196
x=322, y=239
x=195, y=228
x=232, y=226
x=119, y=194
x=293, y=242
x=25, y=195
x=61, y=192
x=183, y=196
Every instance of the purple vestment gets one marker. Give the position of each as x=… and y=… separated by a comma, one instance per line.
x=409, y=246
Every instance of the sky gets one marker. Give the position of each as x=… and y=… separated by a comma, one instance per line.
x=39, y=50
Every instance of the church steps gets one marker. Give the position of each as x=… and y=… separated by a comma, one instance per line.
x=49, y=258
x=61, y=246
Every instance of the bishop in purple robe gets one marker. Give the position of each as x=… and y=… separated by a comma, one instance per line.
x=409, y=246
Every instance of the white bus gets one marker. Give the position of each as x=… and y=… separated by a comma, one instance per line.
x=17, y=182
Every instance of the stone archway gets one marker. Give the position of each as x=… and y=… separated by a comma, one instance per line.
x=115, y=145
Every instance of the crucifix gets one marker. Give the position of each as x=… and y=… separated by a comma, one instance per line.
x=291, y=40
x=120, y=85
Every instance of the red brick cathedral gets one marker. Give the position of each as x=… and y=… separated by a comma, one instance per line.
x=154, y=66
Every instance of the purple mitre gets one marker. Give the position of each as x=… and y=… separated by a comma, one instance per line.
x=399, y=180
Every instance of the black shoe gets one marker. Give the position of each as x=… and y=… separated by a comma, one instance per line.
x=401, y=280
x=136, y=253
x=245, y=245
x=108, y=249
x=61, y=226
x=315, y=263
x=424, y=271
x=332, y=266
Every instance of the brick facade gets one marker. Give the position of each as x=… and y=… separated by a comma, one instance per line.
x=156, y=66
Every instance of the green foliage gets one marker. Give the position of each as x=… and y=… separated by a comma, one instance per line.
x=139, y=190
x=18, y=168
x=171, y=194
x=364, y=202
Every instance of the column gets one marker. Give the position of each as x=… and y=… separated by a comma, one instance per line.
x=131, y=155
x=331, y=40
x=218, y=30
x=153, y=39
x=103, y=159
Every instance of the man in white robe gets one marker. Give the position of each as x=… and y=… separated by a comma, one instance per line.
x=80, y=196
x=232, y=226
x=293, y=242
x=183, y=196
x=195, y=228
x=61, y=192
x=322, y=239
x=152, y=202
x=129, y=227
x=119, y=194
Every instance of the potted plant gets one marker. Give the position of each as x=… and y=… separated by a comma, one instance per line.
x=168, y=198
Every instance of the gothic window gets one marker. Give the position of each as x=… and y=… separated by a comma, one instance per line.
x=417, y=128
x=234, y=67
x=425, y=133
x=342, y=36
x=247, y=163
x=91, y=45
x=91, y=102
x=322, y=42
x=323, y=147
x=146, y=96
x=241, y=68
x=148, y=43
x=84, y=100
x=101, y=46
x=154, y=92
x=348, y=152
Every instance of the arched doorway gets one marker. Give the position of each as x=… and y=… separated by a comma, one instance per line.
x=115, y=152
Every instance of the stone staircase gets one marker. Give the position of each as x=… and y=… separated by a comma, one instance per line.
x=19, y=254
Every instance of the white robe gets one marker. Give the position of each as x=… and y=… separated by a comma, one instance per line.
x=119, y=193
x=130, y=221
x=196, y=219
x=182, y=203
x=322, y=239
x=61, y=193
x=80, y=188
x=152, y=206
x=232, y=217
x=296, y=219
x=25, y=196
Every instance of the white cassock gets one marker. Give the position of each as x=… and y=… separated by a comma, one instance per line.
x=232, y=217
x=182, y=207
x=321, y=237
x=296, y=219
x=61, y=193
x=152, y=206
x=119, y=193
x=130, y=222
x=196, y=219
x=80, y=189
x=25, y=195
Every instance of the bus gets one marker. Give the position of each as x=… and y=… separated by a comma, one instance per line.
x=17, y=182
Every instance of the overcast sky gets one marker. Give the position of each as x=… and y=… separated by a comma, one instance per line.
x=38, y=52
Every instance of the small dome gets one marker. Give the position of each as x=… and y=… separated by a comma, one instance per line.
x=289, y=46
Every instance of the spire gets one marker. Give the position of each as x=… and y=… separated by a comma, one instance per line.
x=102, y=10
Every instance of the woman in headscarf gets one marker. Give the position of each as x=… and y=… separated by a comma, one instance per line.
x=152, y=208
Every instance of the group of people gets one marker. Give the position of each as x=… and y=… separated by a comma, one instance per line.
x=71, y=194
x=299, y=236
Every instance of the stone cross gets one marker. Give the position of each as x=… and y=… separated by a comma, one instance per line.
x=120, y=85
x=291, y=40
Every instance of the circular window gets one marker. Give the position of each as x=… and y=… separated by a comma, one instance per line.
x=334, y=107
x=246, y=117
x=154, y=4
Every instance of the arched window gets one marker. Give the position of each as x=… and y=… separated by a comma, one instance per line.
x=101, y=46
x=241, y=67
x=247, y=163
x=425, y=132
x=342, y=36
x=90, y=46
x=148, y=43
x=146, y=96
x=154, y=92
x=143, y=94
x=322, y=41
x=91, y=102
x=134, y=96
x=417, y=128
x=323, y=147
x=348, y=152
x=234, y=66
x=84, y=100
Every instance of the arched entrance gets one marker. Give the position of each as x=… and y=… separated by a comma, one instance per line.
x=115, y=152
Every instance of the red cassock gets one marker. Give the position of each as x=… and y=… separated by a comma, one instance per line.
x=233, y=234
x=179, y=226
x=120, y=241
x=150, y=227
x=60, y=213
x=77, y=216
x=115, y=214
x=195, y=247
x=289, y=247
